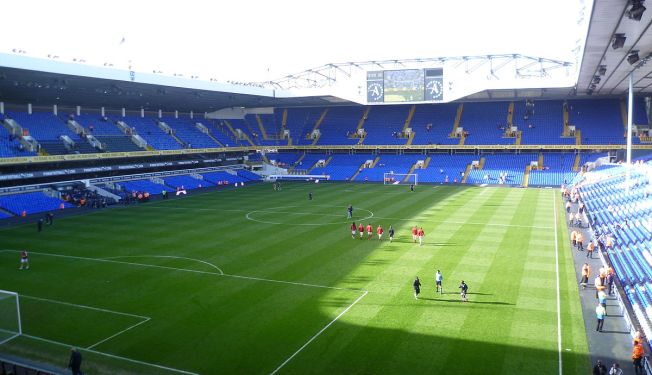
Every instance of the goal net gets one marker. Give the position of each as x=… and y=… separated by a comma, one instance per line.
x=10, y=326
x=400, y=178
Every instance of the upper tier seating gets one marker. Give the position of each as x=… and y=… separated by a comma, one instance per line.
x=30, y=203
x=10, y=146
x=46, y=128
x=338, y=124
x=149, y=130
x=599, y=120
x=221, y=133
x=442, y=118
x=544, y=126
x=482, y=122
x=186, y=130
x=300, y=122
x=97, y=126
x=384, y=125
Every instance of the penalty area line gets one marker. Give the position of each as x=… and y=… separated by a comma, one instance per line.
x=111, y=355
x=189, y=270
x=318, y=334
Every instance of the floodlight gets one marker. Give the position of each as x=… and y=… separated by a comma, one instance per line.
x=636, y=11
x=619, y=41
x=633, y=58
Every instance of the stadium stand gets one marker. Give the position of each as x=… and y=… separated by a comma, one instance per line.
x=342, y=166
x=31, y=203
x=10, y=146
x=495, y=165
x=144, y=186
x=399, y=164
x=599, y=120
x=433, y=123
x=444, y=168
x=338, y=124
x=149, y=130
x=621, y=214
x=545, y=126
x=186, y=130
x=248, y=175
x=384, y=125
x=483, y=121
x=185, y=181
x=47, y=129
x=217, y=178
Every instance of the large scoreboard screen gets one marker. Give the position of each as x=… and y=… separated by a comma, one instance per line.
x=408, y=85
x=403, y=85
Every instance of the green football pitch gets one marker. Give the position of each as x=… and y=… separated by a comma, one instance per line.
x=256, y=281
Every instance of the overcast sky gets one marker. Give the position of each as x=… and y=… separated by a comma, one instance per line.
x=254, y=40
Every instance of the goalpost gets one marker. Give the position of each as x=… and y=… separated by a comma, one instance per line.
x=10, y=324
x=400, y=178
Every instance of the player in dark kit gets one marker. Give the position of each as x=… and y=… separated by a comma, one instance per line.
x=310, y=196
x=463, y=289
x=39, y=225
x=24, y=260
x=417, y=287
x=349, y=211
x=391, y=233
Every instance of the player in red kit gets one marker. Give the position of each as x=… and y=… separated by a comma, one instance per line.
x=24, y=260
x=370, y=231
x=353, y=228
x=361, y=230
x=379, y=232
x=420, y=234
x=414, y=234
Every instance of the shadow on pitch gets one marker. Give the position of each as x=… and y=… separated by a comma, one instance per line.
x=468, y=302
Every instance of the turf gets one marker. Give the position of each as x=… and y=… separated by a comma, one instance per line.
x=142, y=286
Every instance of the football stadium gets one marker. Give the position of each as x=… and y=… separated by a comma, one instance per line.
x=372, y=188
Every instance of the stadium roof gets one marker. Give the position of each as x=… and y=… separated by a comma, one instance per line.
x=41, y=87
x=608, y=19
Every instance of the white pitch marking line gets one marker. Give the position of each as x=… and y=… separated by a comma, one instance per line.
x=111, y=355
x=166, y=256
x=83, y=306
x=289, y=282
x=557, y=276
x=9, y=339
x=189, y=270
x=118, y=334
x=317, y=334
x=120, y=262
